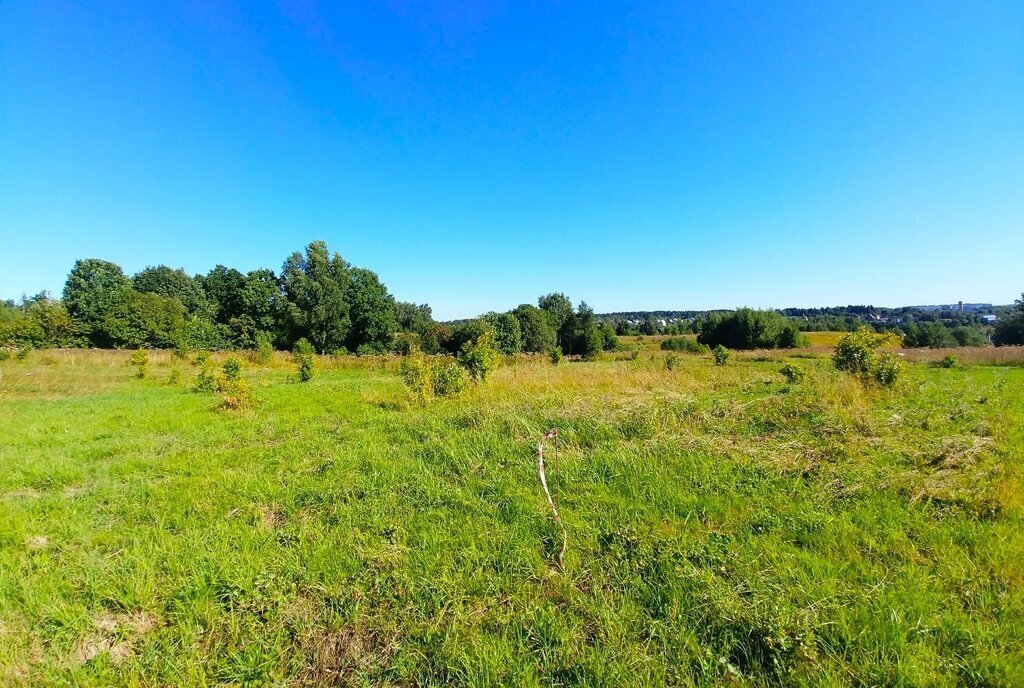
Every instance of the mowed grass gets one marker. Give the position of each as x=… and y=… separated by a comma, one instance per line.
x=724, y=527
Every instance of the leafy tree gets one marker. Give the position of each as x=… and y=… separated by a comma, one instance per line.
x=746, y=328
x=480, y=357
x=465, y=333
x=260, y=305
x=315, y=287
x=372, y=312
x=581, y=333
x=609, y=342
x=149, y=321
x=966, y=335
x=412, y=318
x=508, y=336
x=223, y=287
x=558, y=308
x=1009, y=331
x=538, y=333
x=174, y=283
x=93, y=289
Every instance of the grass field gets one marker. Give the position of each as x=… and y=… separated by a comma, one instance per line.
x=724, y=527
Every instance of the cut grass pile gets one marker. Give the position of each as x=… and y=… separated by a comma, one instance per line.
x=724, y=527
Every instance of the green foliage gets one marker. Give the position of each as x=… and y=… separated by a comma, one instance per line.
x=428, y=378
x=609, y=341
x=264, y=351
x=204, y=381
x=465, y=333
x=555, y=356
x=177, y=284
x=747, y=328
x=39, y=321
x=144, y=320
x=315, y=288
x=174, y=377
x=684, y=344
x=721, y=355
x=306, y=369
x=302, y=349
x=948, y=361
x=93, y=289
x=671, y=361
x=140, y=359
x=232, y=369
x=480, y=357
x=508, y=336
x=405, y=343
x=857, y=353
x=538, y=333
x=202, y=358
x=372, y=312
x=200, y=332
x=793, y=373
x=1009, y=331
x=888, y=369
x=558, y=309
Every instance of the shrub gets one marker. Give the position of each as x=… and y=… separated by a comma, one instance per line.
x=366, y=350
x=140, y=359
x=448, y=377
x=174, y=377
x=264, y=351
x=204, y=381
x=5, y=354
x=232, y=369
x=440, y=377
x=306, y=368
x=480, y=357
x=888, y=370
x=301, y=349
x=671, y=361
x=237, y=395
x=948, y=361
x=684, y=344
x=405, y=343
x=857, y=353
x=792, y=372
x=555, y=356
x=202, y=358
x=340, y=351
x=23, y=351
x=721, y=355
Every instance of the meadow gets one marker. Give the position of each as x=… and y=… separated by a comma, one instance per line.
x=725, y=526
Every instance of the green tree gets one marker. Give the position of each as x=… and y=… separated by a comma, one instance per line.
x=93, y=289
x=746, y=328
x=538, y=333
x=174, y=283
x=1009, y=331
x=508, y=336
x=558, y=308
x=315, y=287
x=260, y=306
x=372, y=312
x=223, y=287
x=148, y=321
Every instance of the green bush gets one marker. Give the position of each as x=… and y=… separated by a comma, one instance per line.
x=857, y=353
x=430, y=378
x=684, y=344
x=264, y=351
x=232, y=369
x=555, y=356
x=721, y=355
x=948, y=361
x=5, y=354
x=204, y=381
x=23, y=351
x=480, y=357
x=140, y=359
x=202, y=358
x=671, y=361
x=888, y=370
x=174, y=377
x=302, y=349
x=306, y=368
x=792, y=372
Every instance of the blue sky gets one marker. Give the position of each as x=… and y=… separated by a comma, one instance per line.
x=478, y=154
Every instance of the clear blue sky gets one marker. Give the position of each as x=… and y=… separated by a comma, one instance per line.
x=478, y=154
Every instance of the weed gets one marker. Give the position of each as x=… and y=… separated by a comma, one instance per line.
x=721, y=355
x=140, y=359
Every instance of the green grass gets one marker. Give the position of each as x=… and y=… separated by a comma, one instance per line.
x=724, y=527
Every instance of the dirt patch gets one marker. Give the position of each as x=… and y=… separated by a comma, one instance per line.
x=72, y=491
x=335, y=657
x=271, y=517
x=115, y=635
x=37, y=542
x=24, y=493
